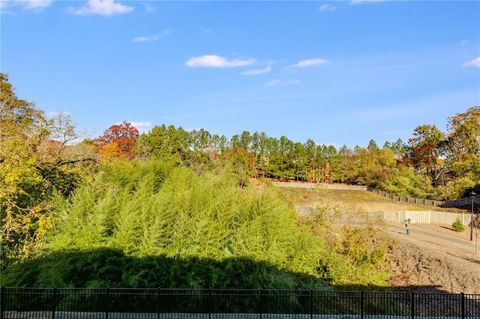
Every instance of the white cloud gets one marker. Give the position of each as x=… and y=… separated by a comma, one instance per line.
x=474, y=62
x=309, y=62
x=264, y=70
x=36, y=4
x=102, y=7
x=154, y=37
x=365, y=1
x=3, y=4
x=326, y=8
x=215, y=61
x=282, y=82
x=141, y=126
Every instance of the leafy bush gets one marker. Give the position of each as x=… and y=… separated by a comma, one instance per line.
x=153, y=210
x=458, y=226
x=406, y=182
x=150, y=224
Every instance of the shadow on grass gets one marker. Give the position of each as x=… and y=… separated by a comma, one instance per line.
x=134, y=287
x=105, y=267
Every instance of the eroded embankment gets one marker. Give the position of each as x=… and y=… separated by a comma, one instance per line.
x=432, y=270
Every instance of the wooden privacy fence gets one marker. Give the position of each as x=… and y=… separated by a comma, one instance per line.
x=420, y=217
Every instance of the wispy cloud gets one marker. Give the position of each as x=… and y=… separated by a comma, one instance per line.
x=327, y=8
x=309, y=62
x=150, y=8
x=3, y=5
x=53, y=114
x=282, y=82
x=365, y=1
x=474, y=62
x=102, y=7
x=215, y=61
x=142, y=126
x=37, y=5
x=423, y=107
x=153, y=37
x=264, y=70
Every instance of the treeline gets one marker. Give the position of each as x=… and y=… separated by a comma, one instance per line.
x=432, y=164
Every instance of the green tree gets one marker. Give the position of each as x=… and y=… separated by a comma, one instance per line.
x=36, y=159
x=425, y=149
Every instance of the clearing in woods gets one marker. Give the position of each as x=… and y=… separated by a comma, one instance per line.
x=432, y=256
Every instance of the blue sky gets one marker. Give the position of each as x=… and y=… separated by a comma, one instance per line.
x=337, y=72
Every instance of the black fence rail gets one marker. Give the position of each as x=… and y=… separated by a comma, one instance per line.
x=459, y=203
x=408, y=199
x=66, y=303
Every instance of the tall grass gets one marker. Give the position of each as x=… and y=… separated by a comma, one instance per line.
x=151, y=224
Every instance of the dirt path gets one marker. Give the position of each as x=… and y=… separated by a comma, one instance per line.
x=434, y=256
x=441, y=239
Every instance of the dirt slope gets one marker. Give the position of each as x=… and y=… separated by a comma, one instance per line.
x=433, y=265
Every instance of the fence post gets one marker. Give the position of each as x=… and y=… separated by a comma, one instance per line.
x=412, y=305
x=2, y=301
x=158, y=303
x=260, y=308
x=311, y=303
x=54, y=303
x=210, y=303
x=107, y=303
x=362, y=304
x=463, y=304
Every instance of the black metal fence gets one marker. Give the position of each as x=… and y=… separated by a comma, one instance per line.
x=79, y=303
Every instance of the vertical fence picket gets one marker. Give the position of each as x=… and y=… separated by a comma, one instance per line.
x=362, y=304
x=54, y=302
x=462, y=295
x=412, y=305
x=107, y=303
x=260, y=303
x=2, y=302
x=158, y=303
x=210, y=303
x=311, y=303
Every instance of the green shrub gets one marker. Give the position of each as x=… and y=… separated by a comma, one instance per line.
x=149, y=224
x=404, y=181
x=147, y=209
x=458, y=226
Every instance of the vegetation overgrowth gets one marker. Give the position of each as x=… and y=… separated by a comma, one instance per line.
x=170, y=193
x=150, y=211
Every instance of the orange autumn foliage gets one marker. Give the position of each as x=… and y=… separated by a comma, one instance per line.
x=117, y=141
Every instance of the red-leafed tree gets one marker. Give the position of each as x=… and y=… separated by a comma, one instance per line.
x=118, y=141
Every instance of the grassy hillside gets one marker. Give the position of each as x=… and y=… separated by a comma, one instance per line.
x=354, y=201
